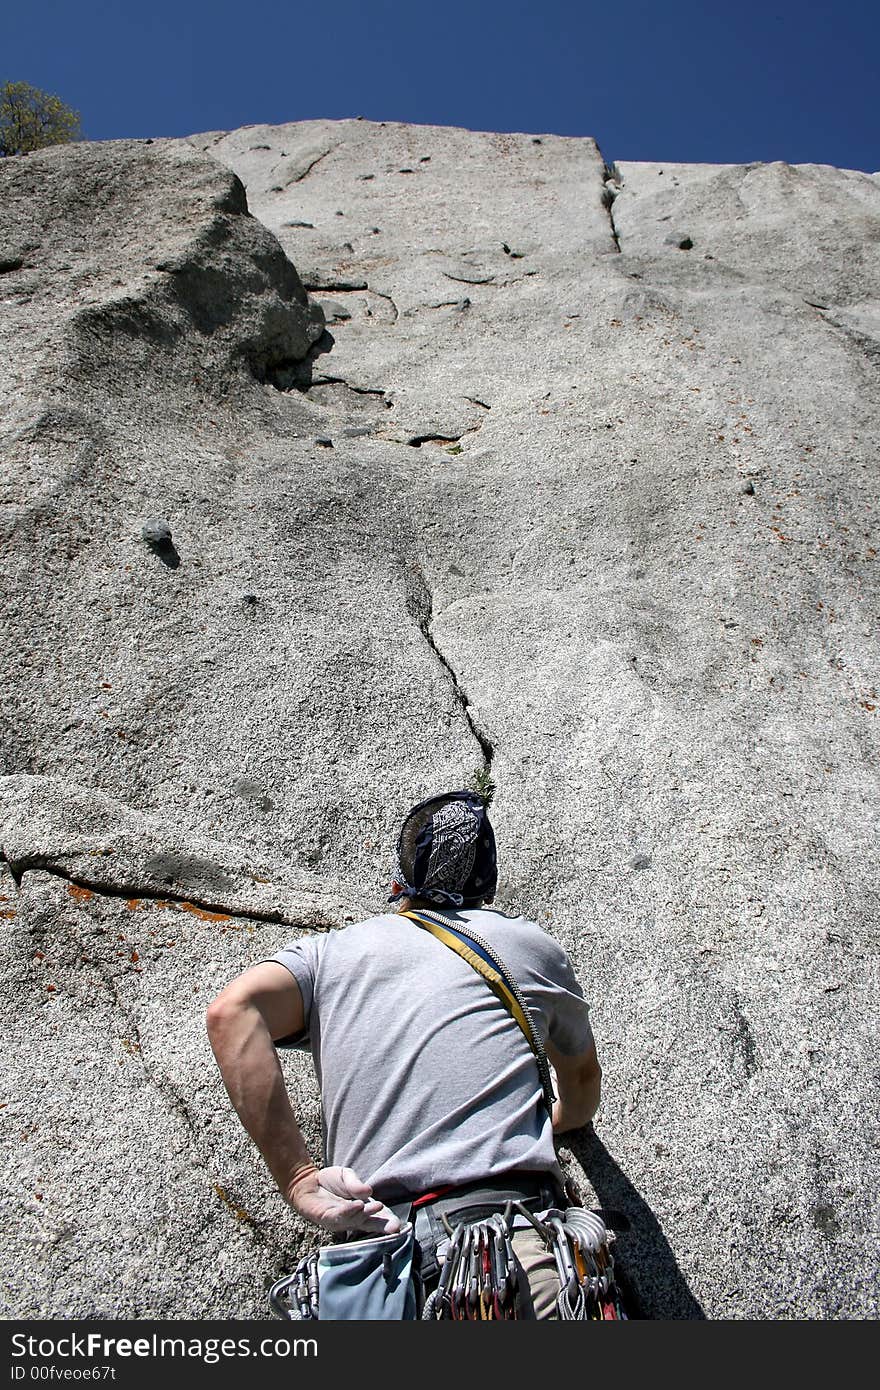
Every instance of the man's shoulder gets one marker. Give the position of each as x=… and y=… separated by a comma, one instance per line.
x=315, y=943
x=377, y=922
x=358, y=935
x=523, y=938
x=511, y=922
x=518, y=932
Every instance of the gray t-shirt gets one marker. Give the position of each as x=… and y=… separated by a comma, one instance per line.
x=425, y=1078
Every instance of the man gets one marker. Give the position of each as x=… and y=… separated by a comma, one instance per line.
x=431, y=1095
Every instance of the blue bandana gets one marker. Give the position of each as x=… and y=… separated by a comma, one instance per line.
x=455, y=860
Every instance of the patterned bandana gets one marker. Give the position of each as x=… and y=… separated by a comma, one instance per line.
x=454, y=853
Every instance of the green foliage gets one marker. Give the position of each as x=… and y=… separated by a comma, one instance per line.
x=31, y=119
x=482, y=784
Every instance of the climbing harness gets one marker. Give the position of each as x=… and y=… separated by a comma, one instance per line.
x=479, y=1273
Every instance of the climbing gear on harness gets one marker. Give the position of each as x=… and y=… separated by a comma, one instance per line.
x=581, y=1246
x=358, y=1280
x=489, y=1273
x=479, y=1279
x=488, y=964
x=301, y=1286
x=472, y=1201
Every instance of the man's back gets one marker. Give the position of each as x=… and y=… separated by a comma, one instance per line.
x=425, y=1078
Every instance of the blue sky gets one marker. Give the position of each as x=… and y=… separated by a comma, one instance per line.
x=689, y=81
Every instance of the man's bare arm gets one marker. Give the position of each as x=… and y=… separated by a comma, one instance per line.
x=579, y=1084
x=243, y=1022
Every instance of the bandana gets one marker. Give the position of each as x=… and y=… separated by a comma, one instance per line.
x=455, y=852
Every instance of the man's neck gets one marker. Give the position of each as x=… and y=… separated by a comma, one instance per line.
x=423, y=904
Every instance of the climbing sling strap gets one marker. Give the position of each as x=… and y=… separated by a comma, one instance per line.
x=488, y=964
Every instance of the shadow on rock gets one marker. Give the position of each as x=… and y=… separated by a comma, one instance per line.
x=287, y=374
x=166, y=553
x=651, y=1282
x=157, y=534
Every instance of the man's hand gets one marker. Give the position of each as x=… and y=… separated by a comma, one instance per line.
x=337, y=1199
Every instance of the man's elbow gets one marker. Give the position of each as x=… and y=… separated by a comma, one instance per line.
x=222, y=1016
x=215, y=1016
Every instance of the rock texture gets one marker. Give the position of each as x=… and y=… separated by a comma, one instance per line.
x=534, y=464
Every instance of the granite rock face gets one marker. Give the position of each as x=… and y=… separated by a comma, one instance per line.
x=534, y=464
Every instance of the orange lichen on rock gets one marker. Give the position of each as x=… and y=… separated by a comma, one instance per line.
x=239, y=1212
x=82, y=895
x=204, y=914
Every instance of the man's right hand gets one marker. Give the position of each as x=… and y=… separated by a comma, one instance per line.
x=337, y=1199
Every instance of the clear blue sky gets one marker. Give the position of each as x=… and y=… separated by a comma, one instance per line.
x=722, y=81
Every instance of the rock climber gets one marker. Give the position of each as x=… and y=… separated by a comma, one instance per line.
x=432, y=1102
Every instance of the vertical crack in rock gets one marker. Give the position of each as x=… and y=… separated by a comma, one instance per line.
x=420, y=605
x=864, y=345
x=307, y=168
x=611, y=186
